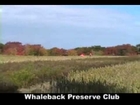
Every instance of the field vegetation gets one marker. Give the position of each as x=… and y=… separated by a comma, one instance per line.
x=66, y=74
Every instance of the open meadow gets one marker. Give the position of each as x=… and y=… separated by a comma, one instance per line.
x=69, y=74
x=12, y=58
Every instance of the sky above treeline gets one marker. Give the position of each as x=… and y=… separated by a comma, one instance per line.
x=70, y=26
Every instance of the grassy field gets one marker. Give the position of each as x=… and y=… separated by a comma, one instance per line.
x=96, y=74
x=11, y=58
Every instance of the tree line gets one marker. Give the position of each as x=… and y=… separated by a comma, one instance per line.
x=17, y=48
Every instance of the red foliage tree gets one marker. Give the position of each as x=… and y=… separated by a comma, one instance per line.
x=125, y=49
x=13, y=48
x=57, y=52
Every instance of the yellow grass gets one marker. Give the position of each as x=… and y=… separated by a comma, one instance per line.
x=11, y=58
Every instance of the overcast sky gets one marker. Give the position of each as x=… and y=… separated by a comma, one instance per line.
x=70, y=26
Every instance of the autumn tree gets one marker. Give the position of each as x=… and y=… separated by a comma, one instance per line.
x=125, y=49
x=36, y=50
x=13, y=48
x=57, y=52
x=72, y=52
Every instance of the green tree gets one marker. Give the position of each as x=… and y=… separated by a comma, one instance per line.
x=1, y=47
x=138, y=47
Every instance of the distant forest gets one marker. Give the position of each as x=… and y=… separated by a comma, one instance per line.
x=17, y=48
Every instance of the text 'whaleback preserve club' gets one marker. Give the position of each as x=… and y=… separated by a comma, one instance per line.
x=71, y=97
